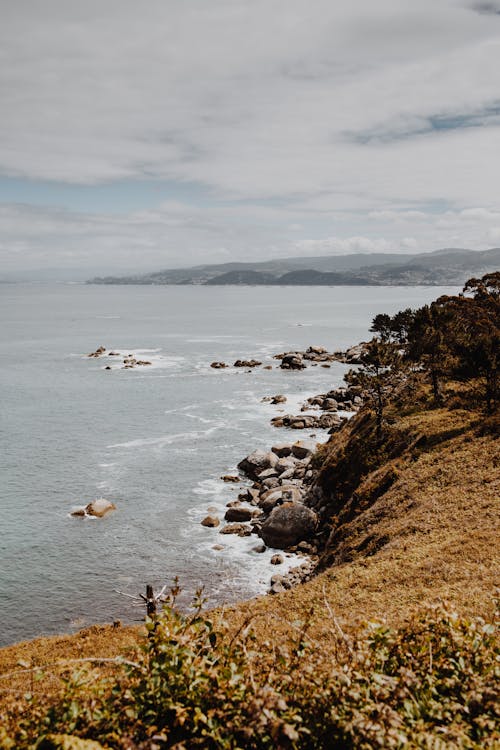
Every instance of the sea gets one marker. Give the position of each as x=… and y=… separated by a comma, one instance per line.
x=155, y=440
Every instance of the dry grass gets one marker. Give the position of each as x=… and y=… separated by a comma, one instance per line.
x=431, y=537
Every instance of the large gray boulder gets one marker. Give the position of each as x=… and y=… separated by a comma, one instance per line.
x=288, y=524
x=257, y=462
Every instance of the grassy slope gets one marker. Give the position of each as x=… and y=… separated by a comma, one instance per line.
x=432, y=536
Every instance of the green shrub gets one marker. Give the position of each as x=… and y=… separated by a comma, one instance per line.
x=430, y=684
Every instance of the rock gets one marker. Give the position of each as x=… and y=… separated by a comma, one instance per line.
x=100, y=350
x=257, y=462
x=80, y=512
x=236, y=528
x=271, y=498
x=114, y=354
x=218, y=365
x=249, y=495
x=316, y=350
x=285, y=463
x=99, y=507
x=304, y=448
x=247, y=363
x=292, y=361
x=239, y=514
x=279, y=399
x=267, y=367
x=210, y=521
x=259, y=548
x=142, y=363
x=267, y=474
x=329, y=404
x=288, y=524
x=230, y=478
x=282, y=450
x=218, y=547
x=326, y=366
x=271, y=482
x=277, y=588
x=277, y=560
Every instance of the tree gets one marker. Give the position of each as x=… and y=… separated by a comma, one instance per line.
x=427, y=344
x=376, y=376
x=475, y=332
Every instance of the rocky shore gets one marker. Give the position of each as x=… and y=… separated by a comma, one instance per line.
x=274, y=506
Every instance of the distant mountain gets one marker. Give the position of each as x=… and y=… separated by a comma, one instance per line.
x=445, y=266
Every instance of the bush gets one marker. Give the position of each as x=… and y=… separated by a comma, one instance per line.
x=430, y=684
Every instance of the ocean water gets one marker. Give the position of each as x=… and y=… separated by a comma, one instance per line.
x=154, y=440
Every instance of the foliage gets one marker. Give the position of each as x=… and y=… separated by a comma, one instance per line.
x=377, y=377
x=429, y=684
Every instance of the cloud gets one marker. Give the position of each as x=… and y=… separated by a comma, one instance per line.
x=329, y=117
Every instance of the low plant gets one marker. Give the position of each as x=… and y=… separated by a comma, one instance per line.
x=431, y=684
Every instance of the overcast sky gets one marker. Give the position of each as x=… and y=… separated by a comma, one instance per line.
x=172, y=132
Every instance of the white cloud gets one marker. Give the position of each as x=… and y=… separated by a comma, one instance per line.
x=327, y=118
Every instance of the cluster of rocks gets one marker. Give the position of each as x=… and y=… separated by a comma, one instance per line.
x=97, y=508
x=248, y=363
x=98, y=352
x=344, y=398
x=273, y=508
x=319, y=355
x=129, y=361
x=328, y=421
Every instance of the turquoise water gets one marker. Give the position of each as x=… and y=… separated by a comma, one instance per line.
x=153, y=440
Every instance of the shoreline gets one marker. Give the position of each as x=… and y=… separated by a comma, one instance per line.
x=276, y=484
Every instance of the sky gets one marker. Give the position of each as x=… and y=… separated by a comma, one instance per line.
x=140, y=136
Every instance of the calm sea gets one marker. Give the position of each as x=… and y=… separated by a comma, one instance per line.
x=153, y=440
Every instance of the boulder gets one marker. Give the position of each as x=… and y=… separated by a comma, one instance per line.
x=267, y=474
x=210, y=521
x=304, y=448
x=257, y=462
x=218, y=365
x=240, y=514
x=236, y=528
x=80, y=512
x=279, y=399
x=259, y=548
x=285, y=463
x=286, y=493
x=282, y=450
x=288, y=524
x=292, y=361
x=230, y=478
x=277, y=560
x=99, y=507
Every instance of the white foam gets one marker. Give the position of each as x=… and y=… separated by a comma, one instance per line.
x=166, y=439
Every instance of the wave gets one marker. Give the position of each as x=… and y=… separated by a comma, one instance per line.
x=167, y=439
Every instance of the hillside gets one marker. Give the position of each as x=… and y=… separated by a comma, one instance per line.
x=447, y=266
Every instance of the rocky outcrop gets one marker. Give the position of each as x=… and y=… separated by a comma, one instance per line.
x=288, y=524
x=97, y=508
x=218, y=365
